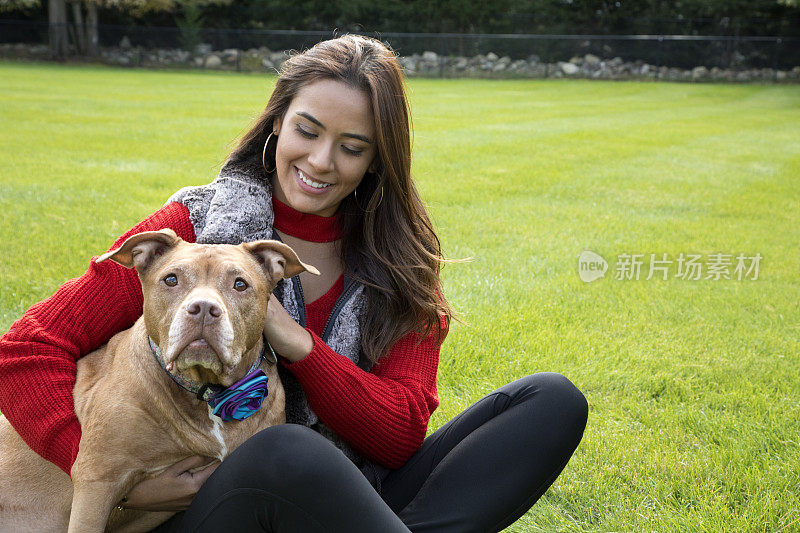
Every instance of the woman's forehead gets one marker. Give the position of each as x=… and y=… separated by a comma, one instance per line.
x=336, y=105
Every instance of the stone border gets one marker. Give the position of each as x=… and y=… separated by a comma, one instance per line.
x=427, y=64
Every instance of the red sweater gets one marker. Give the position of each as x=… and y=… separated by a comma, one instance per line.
x=383, y=414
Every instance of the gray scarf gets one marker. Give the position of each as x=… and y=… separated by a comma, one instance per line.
x=237, y=207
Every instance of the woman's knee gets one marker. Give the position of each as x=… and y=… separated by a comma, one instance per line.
x=558, y=393
x=282, y=456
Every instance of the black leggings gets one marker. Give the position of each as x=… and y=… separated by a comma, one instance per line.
x=479, y=472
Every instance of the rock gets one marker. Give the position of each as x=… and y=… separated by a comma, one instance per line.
x=212, y=61
x=699, y=73
x=430, y=57
x=591, y=59
x=461, y=63
x=125, y=43
x=533, y=59
x=267, y=64
x=570, y=69
x=407, y=62
x=491, y=56
x=576, y=60
x=538, y=70
x=278, y=58
x=780, y=75
x=117, y=58
x=202, y=49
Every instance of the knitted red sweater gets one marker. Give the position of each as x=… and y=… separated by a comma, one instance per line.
x=383, y=414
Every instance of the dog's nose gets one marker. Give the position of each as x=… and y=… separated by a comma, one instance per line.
x=204, y=310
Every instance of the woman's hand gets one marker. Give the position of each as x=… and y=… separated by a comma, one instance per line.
x=285, y=335
x=174, y=488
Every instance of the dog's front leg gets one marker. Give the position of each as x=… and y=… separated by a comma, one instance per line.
x=92, y=502
x=99, y=479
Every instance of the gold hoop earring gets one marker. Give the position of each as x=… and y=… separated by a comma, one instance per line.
x=264, y=155
x=355, y=198
x=381, y=198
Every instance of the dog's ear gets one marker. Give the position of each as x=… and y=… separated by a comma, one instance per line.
x=138, y=251
x=278, y=259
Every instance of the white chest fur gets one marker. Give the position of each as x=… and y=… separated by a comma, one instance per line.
x=216, y=431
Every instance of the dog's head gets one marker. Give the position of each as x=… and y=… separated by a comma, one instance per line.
x=205, y=305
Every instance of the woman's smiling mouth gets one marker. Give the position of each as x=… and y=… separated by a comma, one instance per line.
x=310, y=185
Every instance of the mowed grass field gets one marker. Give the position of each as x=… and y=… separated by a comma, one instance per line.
x=693, y=385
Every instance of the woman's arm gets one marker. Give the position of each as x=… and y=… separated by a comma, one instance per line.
x=39, y=353
x=382, y=414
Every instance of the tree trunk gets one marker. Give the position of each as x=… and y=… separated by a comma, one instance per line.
x=57, y=18
x=92, y=35
x=80, y=30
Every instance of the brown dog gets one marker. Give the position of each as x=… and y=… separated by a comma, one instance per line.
x=204, y=309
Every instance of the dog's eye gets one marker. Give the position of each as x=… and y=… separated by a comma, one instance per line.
x=240, y=284
x=171, y=280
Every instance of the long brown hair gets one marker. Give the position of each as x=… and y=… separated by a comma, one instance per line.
x=388, y=241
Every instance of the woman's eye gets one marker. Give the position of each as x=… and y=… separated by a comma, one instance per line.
x=240, y=284
x=171, y=280
x=305, y=133
x=352, y=151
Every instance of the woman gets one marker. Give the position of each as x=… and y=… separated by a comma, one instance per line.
x=326, y=168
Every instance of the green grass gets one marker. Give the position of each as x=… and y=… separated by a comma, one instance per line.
x=693, y=386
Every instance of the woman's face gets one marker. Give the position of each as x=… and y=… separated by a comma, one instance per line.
x=326, y=143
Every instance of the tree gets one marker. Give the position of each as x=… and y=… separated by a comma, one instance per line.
x=57, y=29
x=85, y=34
x=83, y=31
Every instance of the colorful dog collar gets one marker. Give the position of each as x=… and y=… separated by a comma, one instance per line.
x=236, y=402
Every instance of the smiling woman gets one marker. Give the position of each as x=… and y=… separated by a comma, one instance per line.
x=326, y=168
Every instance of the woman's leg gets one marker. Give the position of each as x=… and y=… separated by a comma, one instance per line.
x=485, y=468
x=288, y=478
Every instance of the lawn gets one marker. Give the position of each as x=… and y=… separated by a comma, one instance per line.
x=693, y=385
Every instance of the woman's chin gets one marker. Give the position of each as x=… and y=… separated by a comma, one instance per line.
x=312, y=206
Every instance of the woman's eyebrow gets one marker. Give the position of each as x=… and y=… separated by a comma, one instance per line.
x=309, y=117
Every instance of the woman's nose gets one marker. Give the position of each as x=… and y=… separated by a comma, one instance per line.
x=321, y=157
